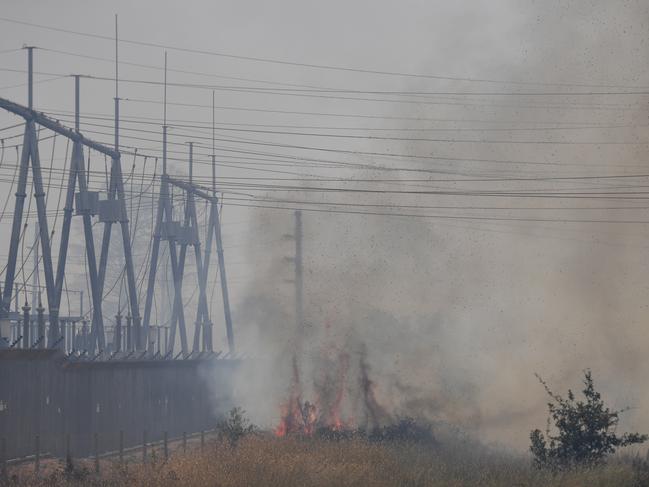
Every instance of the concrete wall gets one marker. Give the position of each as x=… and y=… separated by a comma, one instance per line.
x=42, y=393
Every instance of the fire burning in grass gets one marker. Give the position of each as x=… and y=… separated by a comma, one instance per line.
x=332, y=397
x=297, y=417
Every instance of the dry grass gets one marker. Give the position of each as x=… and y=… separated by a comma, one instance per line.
x=264, y=460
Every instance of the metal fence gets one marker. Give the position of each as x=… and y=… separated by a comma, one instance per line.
x=66, y=403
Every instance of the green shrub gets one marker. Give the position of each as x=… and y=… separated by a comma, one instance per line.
x=235, y=426
x=584, y=431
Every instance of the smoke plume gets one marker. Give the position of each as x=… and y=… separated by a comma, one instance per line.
x=449, y=319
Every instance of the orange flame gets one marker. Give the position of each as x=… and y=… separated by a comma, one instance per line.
x=303, y=418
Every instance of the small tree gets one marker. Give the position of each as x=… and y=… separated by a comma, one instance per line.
x=235, y=426
x=585, y=430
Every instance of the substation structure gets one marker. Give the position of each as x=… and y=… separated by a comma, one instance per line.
x=75, y=372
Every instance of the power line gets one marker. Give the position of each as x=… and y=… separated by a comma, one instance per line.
x=58, y=176
x=205, y=126
x=320, y=89
x=396, y=155
x=11, y=127
x=389, y=155
x=443, y=217
x=406, y=139
x=298, y=64
x=298, y=93
x=344, y=115
x=334, y=163
x=41, y=81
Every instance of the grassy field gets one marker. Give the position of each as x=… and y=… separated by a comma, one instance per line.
x=261, y=460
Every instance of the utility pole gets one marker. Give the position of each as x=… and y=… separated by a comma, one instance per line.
x=30, y=104
x=30, y=77
x=299, y=283
x=116, y=87
x=213, y=155
x=298, y=277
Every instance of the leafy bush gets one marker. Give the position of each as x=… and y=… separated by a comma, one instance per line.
x=234, y=427
x=585, y=431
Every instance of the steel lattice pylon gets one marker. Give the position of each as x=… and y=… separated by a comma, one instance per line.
x=76, y=175
x=183, y=236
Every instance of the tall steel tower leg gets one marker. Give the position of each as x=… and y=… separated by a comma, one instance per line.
x=141, y=340
x=17, y=219
x=224, y=280
x=97, y=330
x=153, y=267
x=202, y=313
x=177, y=278
x=207, y=323
x=65, y=230
x=103, y=256
x=108, y=226
x=21, y=194
x=39, y=195
x=177, y=307
x=178, y=301
x=67, y=222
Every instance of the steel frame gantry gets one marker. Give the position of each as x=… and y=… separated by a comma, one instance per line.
x=165, y=228
x=190, y=237
x=164, y=220
x=213, y=232
x=54, y=282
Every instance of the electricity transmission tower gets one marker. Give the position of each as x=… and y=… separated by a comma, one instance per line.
x=186, y=234
x=110, y=211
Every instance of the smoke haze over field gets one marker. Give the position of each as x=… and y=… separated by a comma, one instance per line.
x=457, y=316
x=449, y=294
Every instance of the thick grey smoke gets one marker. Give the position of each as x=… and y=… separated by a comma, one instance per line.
x=456, y=316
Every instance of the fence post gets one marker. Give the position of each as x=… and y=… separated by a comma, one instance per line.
x=3, y=473
x=96, y=452
x=184, y=442
x=68, y=453
x=144, y=447
x=165, y=446
x=202, y=440
x=121, y=446
x=37, y=462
